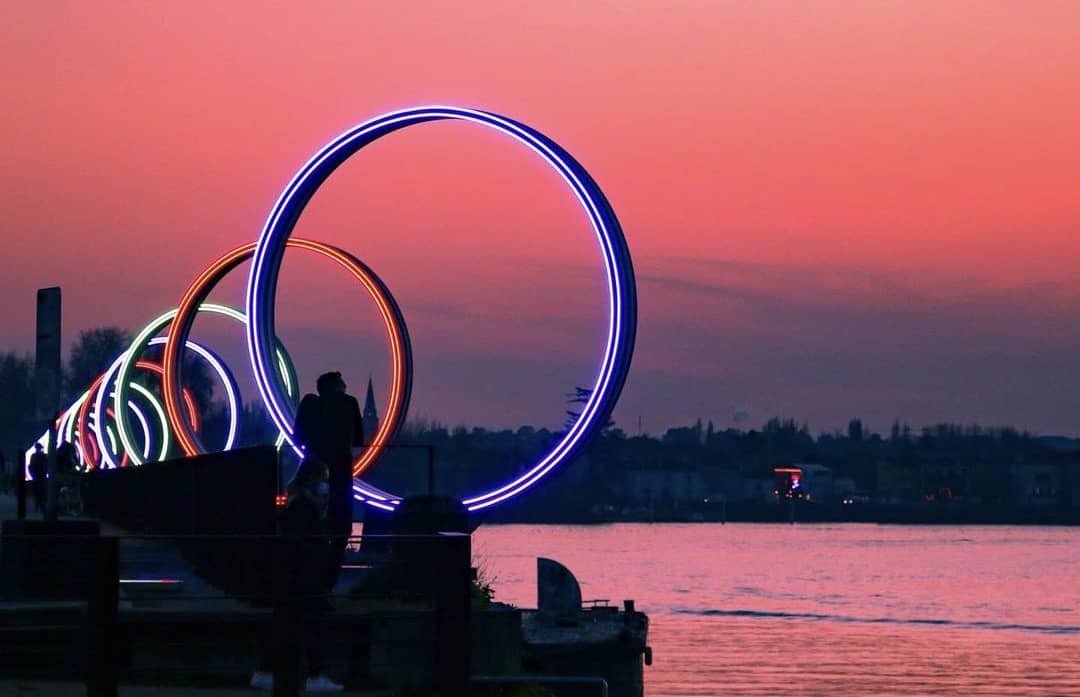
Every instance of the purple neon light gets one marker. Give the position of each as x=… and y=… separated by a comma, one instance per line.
x=145, y=428
x=580, y=190
x=612, y=278
x=99, y=412
x=223, y=373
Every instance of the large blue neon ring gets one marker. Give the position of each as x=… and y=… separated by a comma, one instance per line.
x=622, y=294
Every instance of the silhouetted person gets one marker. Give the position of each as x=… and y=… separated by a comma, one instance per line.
x=65, y=458
x=39, y=469
x=328, y=426
x=302, y=571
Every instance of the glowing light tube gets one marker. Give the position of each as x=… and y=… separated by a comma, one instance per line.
x=184, y=429
x=618, y=270
x=127, y=363
x=393, y=322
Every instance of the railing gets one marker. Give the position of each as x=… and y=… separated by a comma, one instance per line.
x=598, y=685
x=133, y=609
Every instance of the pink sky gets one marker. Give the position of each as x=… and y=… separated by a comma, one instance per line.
x=835, y=209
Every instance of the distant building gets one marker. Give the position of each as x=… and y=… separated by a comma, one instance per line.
x=817, y=481
x=945, y=481
x=371, y=414
x=678, y=486
x=758, y=490
x=787, y=483
x=1037, y=485
x=1071, y=485
x=805, y=481
x=844, y=487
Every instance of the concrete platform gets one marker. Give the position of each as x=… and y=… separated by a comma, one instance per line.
x=25, y=688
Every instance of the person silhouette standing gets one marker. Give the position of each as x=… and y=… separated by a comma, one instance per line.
x=39, y=471
x=328, y=426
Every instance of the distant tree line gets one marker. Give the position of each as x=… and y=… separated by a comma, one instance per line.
x=91, y=354
x=470, y=458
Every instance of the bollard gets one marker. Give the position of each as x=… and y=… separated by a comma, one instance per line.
x=20, y=491
x=102, y=621
x=286, y=631
x=452, y=566
x=51, y=487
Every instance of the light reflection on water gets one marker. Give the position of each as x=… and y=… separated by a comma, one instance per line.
x=746, y=609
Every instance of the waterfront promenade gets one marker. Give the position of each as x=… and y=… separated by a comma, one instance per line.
x=30, y=688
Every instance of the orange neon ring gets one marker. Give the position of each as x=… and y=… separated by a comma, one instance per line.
x=89, y=458
x=189, y=402
x=393, y=321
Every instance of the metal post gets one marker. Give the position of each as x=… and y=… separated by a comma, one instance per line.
x=20, y=489
x=102, y=621
x=430, y=470
x=286, y=630
x=453, y=610
x=51, y=485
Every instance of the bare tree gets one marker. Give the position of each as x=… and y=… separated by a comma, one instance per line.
x=97, y=348
x=91, y=355
x=16, y=401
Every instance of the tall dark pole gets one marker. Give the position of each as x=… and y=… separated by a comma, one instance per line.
x=47, y=357
x=47, y=382
x=430, y=470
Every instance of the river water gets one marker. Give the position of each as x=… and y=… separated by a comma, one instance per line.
x=757, y=609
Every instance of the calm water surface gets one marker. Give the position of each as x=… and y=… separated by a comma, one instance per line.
x=751, y=609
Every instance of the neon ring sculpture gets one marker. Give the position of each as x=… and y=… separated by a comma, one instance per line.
x=393, y=321
x=128, y=359
x=143, y=423
x=66, y=424
x=119, y=377
x=619, y=275
x=73, y=427
x=89, y=441
x=189, y=403
x=90, y=447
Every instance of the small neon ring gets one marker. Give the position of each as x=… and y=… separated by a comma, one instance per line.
x=72, y=424
x=102, y=431
x=127, y=363
x=144, y=423
x=126, y=451
x=106, y=458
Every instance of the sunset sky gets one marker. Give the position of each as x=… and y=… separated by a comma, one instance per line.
x=835, y=209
